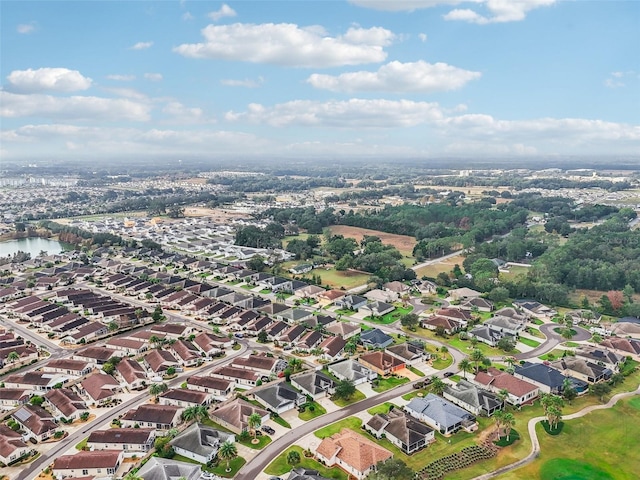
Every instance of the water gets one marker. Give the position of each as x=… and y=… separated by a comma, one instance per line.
x=32, y=246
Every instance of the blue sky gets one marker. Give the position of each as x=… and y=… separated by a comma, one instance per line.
x=319, y=79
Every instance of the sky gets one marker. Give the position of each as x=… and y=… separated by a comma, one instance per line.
x=334, y=79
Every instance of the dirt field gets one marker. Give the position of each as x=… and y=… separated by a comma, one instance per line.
x=445, y=266
x=403, y=243
x=217, y=214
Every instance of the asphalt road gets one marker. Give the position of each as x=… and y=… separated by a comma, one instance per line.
x=34, y=468
x=553, y=340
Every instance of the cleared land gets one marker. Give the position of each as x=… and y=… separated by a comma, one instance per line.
x=403, y=243
x=443, y=266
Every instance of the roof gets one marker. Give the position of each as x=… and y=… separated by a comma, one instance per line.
x=343, y=328
x=168, y=469
x=353, y=449
x=381, y=360
x=277, y=395
x=163, y=414
x=305, y=474
x=502, y=380
x=375, y=337
x=131, y=370
x=67, y=364
x=97, y=353
x=36, y=419
x=13, y=394
x=235, y=372
x=350, y=369
x=237, y=412
x=401, y=426
x=209, y=382
x=10, y=441
x=131, y=436
x=100, y=385
x=201, y=439
x=471, y=395
x=259, y=362
x=444, y=322
x=441, y=411
x=313, y=382
x=85, y=459
x=65, y=400
x=185, y=395
x=160, y=360
x=408, y=351
x=333, y=345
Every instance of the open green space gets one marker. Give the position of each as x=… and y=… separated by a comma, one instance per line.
x=279, y=465
x=354, y=423
x=384, y=384
x=567, y=469
x=382, y=408
x=263, y=441
x=356, y=397
x=529, y=343
x=391, y=316
x=82, y=444
x=311, y=411
x=346, y=278
x=444, y=360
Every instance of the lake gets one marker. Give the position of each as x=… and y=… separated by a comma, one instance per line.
x=31, y=245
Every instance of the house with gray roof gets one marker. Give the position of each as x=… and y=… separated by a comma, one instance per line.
x=486, y=334
x=441, y=414
x=279, y=397
x=315, y=383
x=547, y=378
x=377, y=308
x=200, y=442
x=158, y=468
x=476, y=400
x=505, y=325
x=375, y=338
x=582, y=369
x=305, y=474
x=601, y=356
x=351, y=302
x=406, y=433
x=352, y=370
x=409, y=353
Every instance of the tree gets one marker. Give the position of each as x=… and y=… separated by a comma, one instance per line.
x=497, y=417
x=600, y=390
x=506, y=344
x=498, y=294
x=616, y=379
x=228, y=451
x=36, y=400
x=503, y=394
x=410, y=321
x=596, y=339
x=157, y=388
x=293, y=458
x=256, y=263
x=108, y=368
x=345, y=389
x=438, y=386
x=552, y=407
x=113, y=326
x=567, y=333
x=254, y=421
x=157, y=315
x=392, y=469
x=440, y=331
x=466, y=366
x=163, y=447
x=616, y=299
x=13, y=357
x=508, y=421
x=568, y=392
x=263, y=336
x=554, y=415
x=295, y=364
x=196, y=412
x=477, y=357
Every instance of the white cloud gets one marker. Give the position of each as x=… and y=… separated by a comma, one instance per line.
x=26, y=28
x=47, y=79
x=422, y=37
x=141, y=46
x=121, y=78
x=397, y=77
x=499, y=11
x=186, y=16
x=153, y=77
x=183, y=114
x=225, y=11
x=611, y=83
x=289, y=45
x=127, y=93
x=71, y=108
x=620, y=79
x=247, y=82
x=353, y=113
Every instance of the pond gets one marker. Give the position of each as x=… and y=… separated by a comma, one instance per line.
x=33, y=246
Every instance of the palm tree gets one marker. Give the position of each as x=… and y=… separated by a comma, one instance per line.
x=254, y=421
x=438, y=386
x=280, y=297
x=503, y=395
x=13, y=357
x=295, y=364
x=157, y=388
x=508, y=421
x=477, y=357
x=228, y=451
x=197, y=412
x=132, y=476
x=293, y=458
x=465, y=365
x=498, y=418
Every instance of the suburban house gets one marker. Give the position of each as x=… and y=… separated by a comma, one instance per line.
x=234, y=415
x=456, y=313
x=159, y=361
x=129, y=440
x=441, y=414
x=350, y=302
x=535, y=309
x=375, y=338
x=548, y=379
x=300, y=473
x=381, y=362
x=332, y=348
x=160, y=417
x=211, y=344
x=292, y=334
x=449, y=325
x=243, y=378
x=96, y=463
x=473, y=399
x=200, y=442
x=66, y=366
x=400, y=429
x=601, y=356
x=582, y=369
x=12, y=446
x=11, y=398
x=183, y=397
x=378, y=295
x=352, y=452
x=36, y=382
x=409, y=353
x=261, y=363
x=486, y=334
x=520, y=391
x=65, y=403
x=218, y=388
x=125, y=346
x=98, y=355
x=36, y=422
x=464, y=293
x=377, y=308
x=132, y=373
x=630, y=346
x=315, y=383
x=352, y=370
x=309, y=340
x=505, y=325
x=158, y=468
x=279, y=397
x=100, y=387
x=186, y=353
x=478, y=303
x=345, y=330
x=396, y=287
x=330, y=296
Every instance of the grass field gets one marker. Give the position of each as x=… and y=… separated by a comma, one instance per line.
x=337, y=279
x=263, y=441
x=382, y=408
x=403, y=243
x=310, y=415
x=353, y=423
x=279, y=466
x=444, y=266
x=599, y=446
x=235, y=465
x=529, y=343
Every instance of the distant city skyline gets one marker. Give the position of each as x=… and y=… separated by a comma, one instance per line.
x=319, y=79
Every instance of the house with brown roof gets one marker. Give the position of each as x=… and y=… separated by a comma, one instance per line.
x=332, y=348
x=234, y=415
x=12, y=446
x=160, y=417
x=96, y=463
x=100, y=387
x=35, y=421
x=381, y=362
x=98, y=355
x=400, y=429
x=292, y=334
x=26, y=354
x=242, y=378
x=11, y=398
x=629, y=346
x=330, y=296
x=65, y=403
x=172, y=330
x=582, y=369
x=211, y=344
x=520, y=391
x=158, y=361
x=309, y=340
x=352, y=452
x=132, y=373
x=183, y=397
x=449, y=325
x=131, y=441
x=186, y=353
x=36, y=382
x=409, y=353
x=77, y=368
x=127, y=346
x=261, y=363
x=218, y=388
x=345, y=330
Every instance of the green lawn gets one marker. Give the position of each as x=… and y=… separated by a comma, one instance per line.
x=279, y=465
x=263, y=441
x=552, y=355
x=416, y=371
x=444, y=360
x=82, y=444
x=391, y=316
x=384, y=384
x=281, y=421
x=529, y=343
x=345, y=312
x=217, y=426
x=537, y=321
x=354, y=423
x=310, y=415
x=571, y=344
x=465, y=346
x=235, y=465
x=382, y=408
x=356, y=397
x=337, y=279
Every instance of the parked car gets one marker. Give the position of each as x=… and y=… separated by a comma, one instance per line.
x=268, y=429
x=448, y=374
